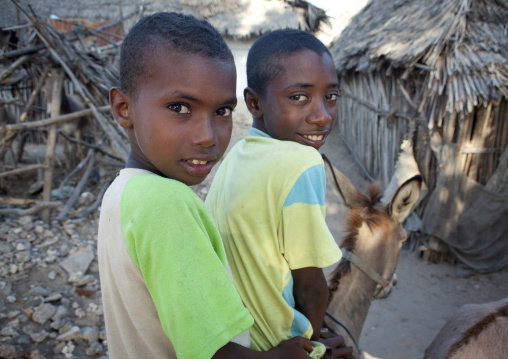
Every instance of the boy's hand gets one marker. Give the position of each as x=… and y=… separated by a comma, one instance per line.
x=294, y=348
x=335, y=346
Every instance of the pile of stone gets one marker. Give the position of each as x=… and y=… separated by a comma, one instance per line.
x=50, y=304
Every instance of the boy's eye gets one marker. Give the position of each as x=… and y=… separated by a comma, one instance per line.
x=332, y=97
x=299, y=98
x=224, y=111
x=179, y=108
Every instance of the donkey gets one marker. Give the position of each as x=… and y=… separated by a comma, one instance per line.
x=474, y=331
x=370, y=248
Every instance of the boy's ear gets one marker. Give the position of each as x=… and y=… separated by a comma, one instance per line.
x=253, y=102
x=120, y=106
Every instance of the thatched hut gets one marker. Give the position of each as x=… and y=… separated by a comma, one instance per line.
x=435, y=72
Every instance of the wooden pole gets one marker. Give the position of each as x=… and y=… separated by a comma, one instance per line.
x=17, y=171
x=50, y=146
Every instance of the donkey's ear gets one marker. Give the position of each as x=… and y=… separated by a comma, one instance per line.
x=405, y=198
x=347, y=190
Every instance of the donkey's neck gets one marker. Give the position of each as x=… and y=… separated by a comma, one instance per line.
x=351, y=302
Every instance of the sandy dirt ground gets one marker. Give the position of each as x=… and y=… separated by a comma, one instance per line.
x=404, y=324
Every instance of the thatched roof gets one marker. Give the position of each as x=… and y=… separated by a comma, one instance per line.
x=235, y=18
x=255, y=17
x=463, y=43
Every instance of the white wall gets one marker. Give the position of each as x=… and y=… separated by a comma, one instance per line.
x=240, y=49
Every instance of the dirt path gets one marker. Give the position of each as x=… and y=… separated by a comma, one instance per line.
x=404, y=324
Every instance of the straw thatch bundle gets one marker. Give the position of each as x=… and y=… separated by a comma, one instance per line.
x=434, y=72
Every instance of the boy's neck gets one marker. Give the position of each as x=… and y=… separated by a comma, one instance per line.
x=258, y=124
x=133, y=161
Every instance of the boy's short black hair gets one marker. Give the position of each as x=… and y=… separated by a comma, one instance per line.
x=178, y=32
x=265, y=60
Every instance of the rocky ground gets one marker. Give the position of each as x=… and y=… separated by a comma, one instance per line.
x=50, y=299
x=50, y=303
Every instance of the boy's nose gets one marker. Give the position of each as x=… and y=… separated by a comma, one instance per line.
x=320, y=115
x=205, y=134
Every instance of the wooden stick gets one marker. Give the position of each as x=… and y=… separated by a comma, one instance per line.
x=14, y=66
x=357, y=160
x=51, y=120
x=79, y=187
x=364, y=103
x=25, y=51
x=8, y=137
x=21, y=170
x=50, y=145
x=16, y=27
x=406, y=95
x=18, y=201
x=78, y=168
x=33, y=210
x=89, y=145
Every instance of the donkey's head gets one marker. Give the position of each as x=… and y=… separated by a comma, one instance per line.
x=374, y=233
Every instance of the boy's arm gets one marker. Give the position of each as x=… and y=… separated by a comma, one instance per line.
x=294, y=348
x=310, y=291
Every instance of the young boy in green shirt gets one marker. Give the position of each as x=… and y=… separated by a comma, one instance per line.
x=165, y=285
x=267, y=197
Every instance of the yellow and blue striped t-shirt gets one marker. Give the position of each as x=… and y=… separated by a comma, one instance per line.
x=267, y=199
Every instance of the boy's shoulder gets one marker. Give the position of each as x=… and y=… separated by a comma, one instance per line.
x=285, y=151
x=147, y=186
x=265, y=157
x=258, y=139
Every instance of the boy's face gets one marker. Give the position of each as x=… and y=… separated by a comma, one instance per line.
x=180, y=123
x=301, y=104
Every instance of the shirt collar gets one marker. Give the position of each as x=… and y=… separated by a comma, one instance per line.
x=255, y=132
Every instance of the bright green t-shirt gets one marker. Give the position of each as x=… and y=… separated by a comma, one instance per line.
x=165, y=286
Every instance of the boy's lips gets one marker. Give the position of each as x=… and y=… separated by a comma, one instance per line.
x=314, y=139
x=197, y=162
x=198, y=167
